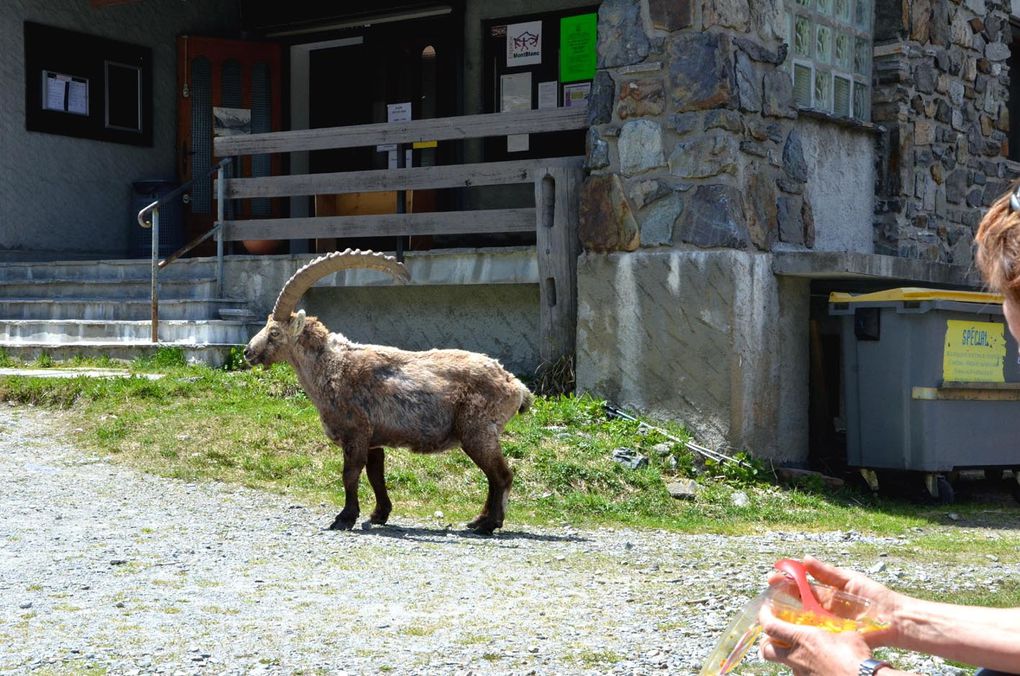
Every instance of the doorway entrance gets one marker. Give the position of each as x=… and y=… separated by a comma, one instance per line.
x=389, y=72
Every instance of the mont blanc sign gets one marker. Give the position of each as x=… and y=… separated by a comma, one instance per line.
x=523, y=44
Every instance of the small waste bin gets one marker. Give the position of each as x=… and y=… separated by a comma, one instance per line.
x=171, y=219
x=931, y=382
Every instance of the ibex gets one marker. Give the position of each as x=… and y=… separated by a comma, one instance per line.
x=371, y=396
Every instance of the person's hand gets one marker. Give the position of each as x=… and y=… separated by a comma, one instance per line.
x=811, y=651
x=884, y=601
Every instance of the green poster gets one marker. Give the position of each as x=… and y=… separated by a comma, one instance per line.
x=577, y=47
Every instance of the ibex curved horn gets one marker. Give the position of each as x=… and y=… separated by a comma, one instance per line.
x=303, y=279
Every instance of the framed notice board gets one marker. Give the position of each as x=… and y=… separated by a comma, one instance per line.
x=87, y=86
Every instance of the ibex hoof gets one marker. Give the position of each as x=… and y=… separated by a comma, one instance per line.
x=483, y=525
x=342, y=523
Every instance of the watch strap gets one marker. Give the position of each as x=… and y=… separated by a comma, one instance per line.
x=870, y=666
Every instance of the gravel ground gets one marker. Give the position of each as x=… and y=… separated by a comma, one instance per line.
x=107, y=570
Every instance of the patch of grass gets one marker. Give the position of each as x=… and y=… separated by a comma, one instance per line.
x=257, y=428
x=597, y=658
x=7, y=361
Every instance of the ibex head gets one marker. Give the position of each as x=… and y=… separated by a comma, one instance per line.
x=278, y=337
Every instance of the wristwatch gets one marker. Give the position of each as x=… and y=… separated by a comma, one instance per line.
x=870, y=667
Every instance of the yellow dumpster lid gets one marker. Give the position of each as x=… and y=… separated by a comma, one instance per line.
x=917, y=294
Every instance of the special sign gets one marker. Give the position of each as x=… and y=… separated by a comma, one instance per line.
x=974, y=352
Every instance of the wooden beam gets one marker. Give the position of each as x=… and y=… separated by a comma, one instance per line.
x=387, y=225
x=557, y=248
x=417, y=178
x=438, y=129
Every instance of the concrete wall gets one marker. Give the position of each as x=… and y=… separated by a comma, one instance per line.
x=67, y=197
x=486, y=303
x=711, y=339
x=499, y=320
x=841, y=184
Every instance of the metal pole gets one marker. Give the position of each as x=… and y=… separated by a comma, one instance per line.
x=221, y=191
x=401, y=202
x=154, y=291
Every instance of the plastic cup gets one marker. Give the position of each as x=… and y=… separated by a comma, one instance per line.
x=848, y=613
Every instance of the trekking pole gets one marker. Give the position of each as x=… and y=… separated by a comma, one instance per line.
x=614, y=412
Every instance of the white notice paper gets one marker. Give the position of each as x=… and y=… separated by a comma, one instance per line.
x=395, y=112
x=78, y=97
x=65, y=93
x=523, y=44
x=515, y=94
x=547, y=97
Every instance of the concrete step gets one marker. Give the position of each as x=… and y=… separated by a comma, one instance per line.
x=208, y=354
x=128, y=269
x=113, y=310
x=128, y=288
x=62, y=332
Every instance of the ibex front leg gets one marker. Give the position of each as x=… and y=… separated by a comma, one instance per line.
x=355, y=457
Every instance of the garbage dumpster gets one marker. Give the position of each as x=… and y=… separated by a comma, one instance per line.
x=931, y=383
x=171, y=219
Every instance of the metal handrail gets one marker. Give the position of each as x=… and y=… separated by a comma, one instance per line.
x=157, y=265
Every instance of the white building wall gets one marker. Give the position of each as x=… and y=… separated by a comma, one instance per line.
x=64, y=197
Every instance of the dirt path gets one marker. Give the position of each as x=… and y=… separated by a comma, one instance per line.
x=107, y=569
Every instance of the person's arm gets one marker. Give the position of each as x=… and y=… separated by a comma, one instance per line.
x=989, y=637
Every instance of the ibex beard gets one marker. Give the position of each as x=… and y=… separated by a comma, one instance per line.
x=372, y=396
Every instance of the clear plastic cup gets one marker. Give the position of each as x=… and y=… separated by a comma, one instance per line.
x=849, y=613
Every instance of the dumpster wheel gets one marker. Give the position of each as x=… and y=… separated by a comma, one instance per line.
x=940, y=489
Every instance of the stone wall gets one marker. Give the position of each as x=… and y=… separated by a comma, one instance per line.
x=693, y=138
x=941, y=92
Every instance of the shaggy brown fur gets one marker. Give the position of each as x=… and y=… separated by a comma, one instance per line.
x=371, y=396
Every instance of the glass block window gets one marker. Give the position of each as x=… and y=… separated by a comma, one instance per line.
x=830, y=55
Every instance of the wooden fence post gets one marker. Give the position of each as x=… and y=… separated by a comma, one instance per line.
x=556, y=207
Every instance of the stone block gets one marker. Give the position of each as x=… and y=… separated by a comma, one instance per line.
x=644, y=192
x=713, y=217
x=721, y=118
x=641, y=98
x=605, y=219
x=749, y=83
x=640, y=147
x=704, y=156
x=700, y=71
x=996, y=51
x=777, y=95
x=791, y=221
x=600, y=101
x=920, y=21
x=657, y=221
x=794, y=164
x=622, y=38
x=924, y=132
x=671, y=15
x=596, y=151
x=762, y=214
x=733, y=14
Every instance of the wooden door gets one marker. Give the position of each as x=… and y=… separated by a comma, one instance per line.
x=225, y=87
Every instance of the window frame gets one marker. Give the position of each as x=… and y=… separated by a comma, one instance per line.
x=828, y=67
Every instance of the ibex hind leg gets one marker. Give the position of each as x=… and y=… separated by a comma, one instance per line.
x=377, y=477
x=485, y=451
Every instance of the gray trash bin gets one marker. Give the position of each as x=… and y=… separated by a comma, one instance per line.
x=171, y=219
x=931, y=381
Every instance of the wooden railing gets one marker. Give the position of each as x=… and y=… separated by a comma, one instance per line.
x=553, y=218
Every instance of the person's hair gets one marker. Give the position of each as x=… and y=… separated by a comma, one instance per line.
x=998, y=248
